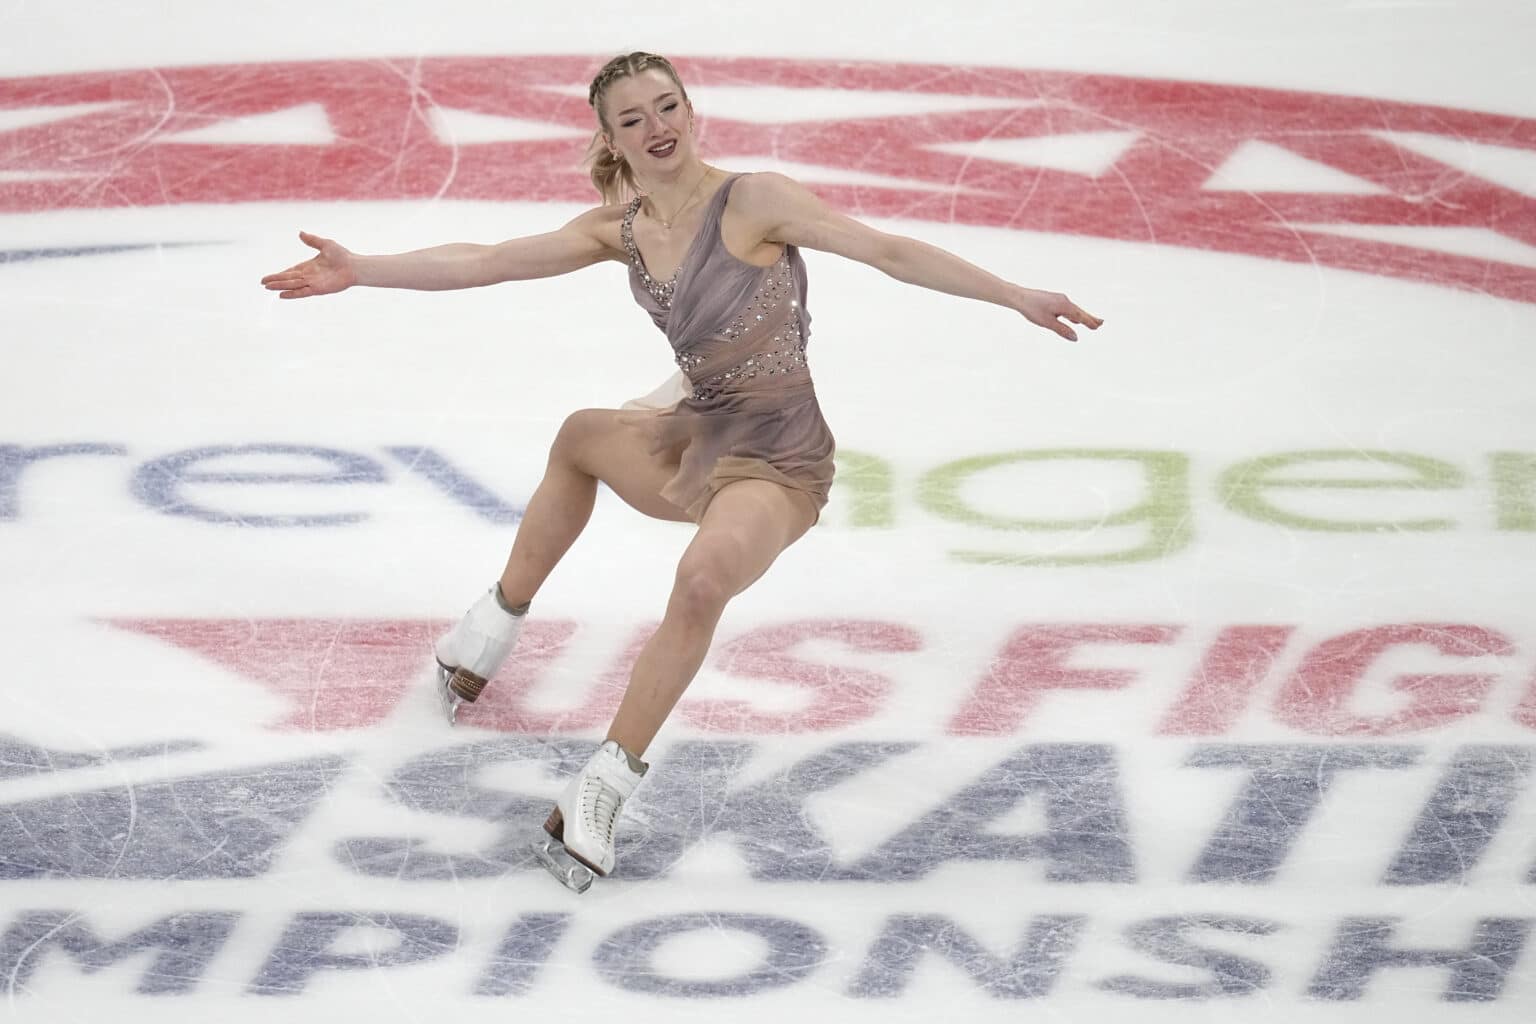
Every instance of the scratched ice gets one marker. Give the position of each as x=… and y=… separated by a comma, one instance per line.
x=1182, y=674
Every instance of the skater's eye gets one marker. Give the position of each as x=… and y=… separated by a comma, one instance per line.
x=630, y=123
x=669, y=107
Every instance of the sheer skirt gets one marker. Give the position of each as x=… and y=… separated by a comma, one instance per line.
x=779, y=436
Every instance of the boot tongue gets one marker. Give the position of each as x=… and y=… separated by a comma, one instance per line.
x=636, y=765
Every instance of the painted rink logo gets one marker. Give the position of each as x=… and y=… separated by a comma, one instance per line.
x=1183, y=866
x=1416, y=192
x=1281, y=817
x=1060, y=934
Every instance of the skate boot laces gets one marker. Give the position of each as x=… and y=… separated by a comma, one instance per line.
x=602, y=804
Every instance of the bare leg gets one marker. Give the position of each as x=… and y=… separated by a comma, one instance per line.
x=747, y=525
x=745, y=528
x=591, y=446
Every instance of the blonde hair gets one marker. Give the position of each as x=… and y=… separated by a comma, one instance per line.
x=611, y=176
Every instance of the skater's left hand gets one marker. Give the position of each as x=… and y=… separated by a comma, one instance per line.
x=1048, y=309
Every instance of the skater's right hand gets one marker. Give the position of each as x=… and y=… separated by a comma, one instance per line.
x=330, y=271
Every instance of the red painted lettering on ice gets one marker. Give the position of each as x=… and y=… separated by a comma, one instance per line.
x=1318, y=696
x=1035, y=661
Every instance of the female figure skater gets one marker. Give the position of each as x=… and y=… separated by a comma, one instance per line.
x=740, y=448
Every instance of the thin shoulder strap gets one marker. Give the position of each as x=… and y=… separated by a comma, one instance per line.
x=628, y=223
x=723, y=194
x=716, y=209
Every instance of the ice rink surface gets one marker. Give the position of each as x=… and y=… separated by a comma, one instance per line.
x=1186, y=673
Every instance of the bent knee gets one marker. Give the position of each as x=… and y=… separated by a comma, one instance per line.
x=579, y=431
x=703, y=587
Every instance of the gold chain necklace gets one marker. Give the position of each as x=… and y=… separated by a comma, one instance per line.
x=668, y=222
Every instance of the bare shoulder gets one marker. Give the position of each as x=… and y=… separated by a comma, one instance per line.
x=777, y=208
x=764, y=191
x=601, y=224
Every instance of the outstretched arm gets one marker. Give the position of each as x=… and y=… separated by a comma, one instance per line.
x=785, y=211
x=458, y=265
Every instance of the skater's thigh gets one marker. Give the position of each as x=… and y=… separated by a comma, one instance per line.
x=606, y=443
x=745, y=528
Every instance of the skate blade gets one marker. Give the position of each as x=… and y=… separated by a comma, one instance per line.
x=569, y=871
x=446, y=698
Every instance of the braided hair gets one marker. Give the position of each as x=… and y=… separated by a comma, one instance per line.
x=613, y=178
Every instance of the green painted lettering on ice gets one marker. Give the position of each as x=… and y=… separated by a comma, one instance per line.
x=868, y=478
x=1514, y=490
x=1164, y=509
x=1242, y=487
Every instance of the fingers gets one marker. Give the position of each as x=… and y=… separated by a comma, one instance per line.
x=286, y=279
x=1088, y=320
x=1050, y=309
x=288, y=288
x=1078, y=315
x=1069, y=310
x=296, y=282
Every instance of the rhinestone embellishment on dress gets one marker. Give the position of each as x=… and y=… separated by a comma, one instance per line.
x=786, y=354
x=781, y=353
x=779, y=283
x=661, y=291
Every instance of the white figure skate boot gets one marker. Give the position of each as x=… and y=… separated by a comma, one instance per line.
x=581, y=826
x=469, y=654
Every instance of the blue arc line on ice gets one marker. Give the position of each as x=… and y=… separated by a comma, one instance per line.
x=24, y=255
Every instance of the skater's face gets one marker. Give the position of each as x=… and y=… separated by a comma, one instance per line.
x=649, y=122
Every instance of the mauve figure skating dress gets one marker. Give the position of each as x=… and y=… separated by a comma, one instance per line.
x=748, y=409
